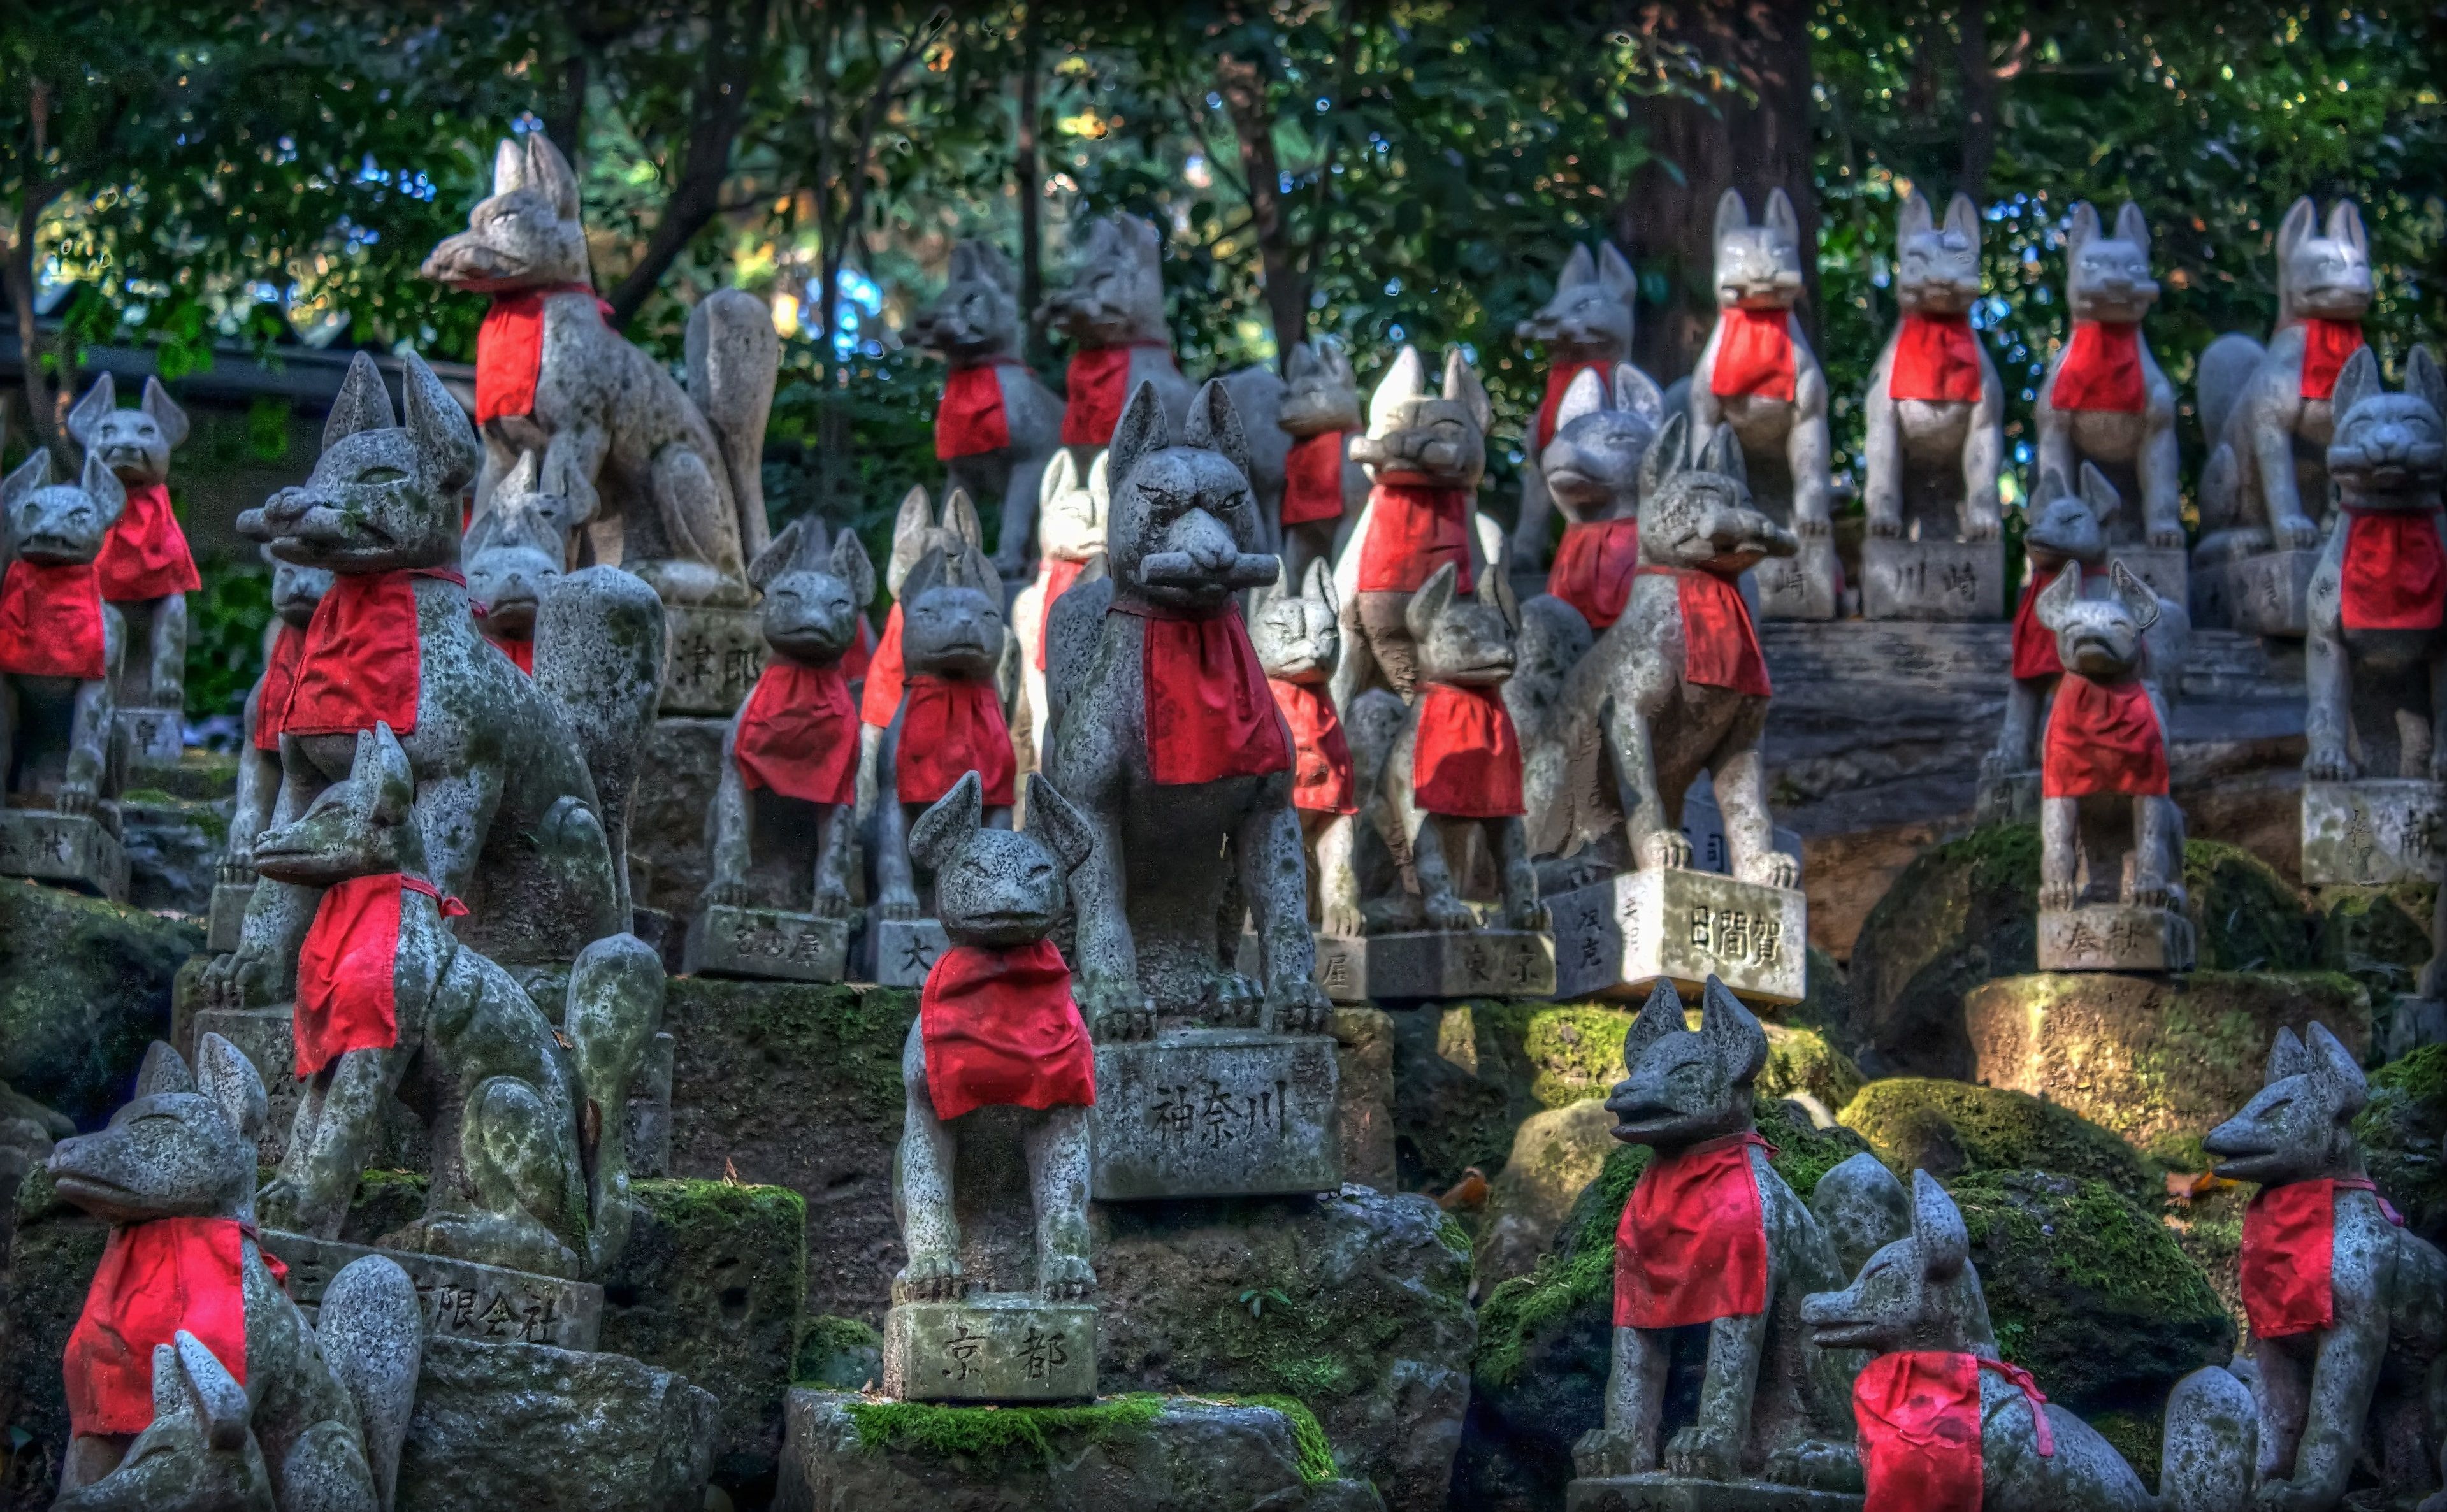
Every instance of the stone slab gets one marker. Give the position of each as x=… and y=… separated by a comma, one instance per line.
x=1946, y=580
x=2114, y=938
x=1002, y=1348
x=2168, y=570
x=2374, y=833
x=490, y=1304
x=71, y=850
x=1428, y=965
x=1216, y=1112
x=767, y=943
x=2012, y=799
x=1799, y=587
x=715, y=657
x=2267, y=594
x=227, y=917
x=1667, y=1493
x=144, y=740
x=899, y=952
x=1621, y=937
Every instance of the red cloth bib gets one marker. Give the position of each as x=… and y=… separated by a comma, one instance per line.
x=1321, y=776
x=950, y=726
x=348, y=999
x=2289, y=1271
x=155, y=1278
x=1313, y=479
x=861, y=654
x=50, y=621
x=509, y=349
x=1594, y=567
x=2102, y=738
x=280, y=679
x=1001, y=1030
x=363, y=661
x=799, y=734
x=1206, y=710
x=145, y=554
x=1058, y=575
x=1936, y=358
x=2101, y=370
x=881, y=698
x=1096, y=386
x=1919, y=1417
x=1465, y=760
x=1754, y=354
x=970, y=420
x=1720, y=646
x=2326, y=344
x=1559, y=382
x=2034, y=645
x=520, y=652
x=1692, y=1246
x=1413, y=531
x=2395, y=570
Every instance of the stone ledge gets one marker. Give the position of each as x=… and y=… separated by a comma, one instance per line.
x=1666, y=1493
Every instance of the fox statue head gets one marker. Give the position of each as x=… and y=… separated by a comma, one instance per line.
x=384, y=493
x=1937, y=268
x=1695, y=505
x=1919, y=1293
x=1592, y=466
x=525, y=233
x=978, y=313
x=1684, y=1084
x=2107, y=278
x=813, y=593
x=1418, y=435
x=1183, y=529
x=1758, y=267
x=2390, y=450
x=998, y=888
x=2328, y=274
x=136, y=443
x=59, y=524
x=2300, y=1125
x=1589, y=319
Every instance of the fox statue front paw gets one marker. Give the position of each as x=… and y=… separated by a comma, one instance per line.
x=2328, y=763
x=1665, y=847
x=1446, y=912
x=1702, y=1454
x=2055, y=898
x=2167, y=537
x=727, y=892
x=832, y=900
x=2296, y=534
x=1886, y=524
x=240, y=979
x=1115, y=1008
x=896, y=903
x=237, y=869
x=1066, y=1279
x=1984, y=524
x=1301, y=1007
x=1772, y=869
x=75, y=796
x=1601, y=1453
x=931, y=1276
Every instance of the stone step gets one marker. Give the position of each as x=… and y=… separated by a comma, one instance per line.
x=1831, y=661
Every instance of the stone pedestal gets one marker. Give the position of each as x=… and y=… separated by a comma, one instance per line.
x=71, y=850
x=228, y=915
x=1932, y=579
x=1621, y=937
x=899, y=952
x=1431, y=964
x=716, y=658
x=2168, y=570
x=1669, y=1493
x=2267, y=594
x=2012, y=799
x=2114, y=938
x=1703, y=826
x=769, y=943
x=145, y=742
x=2373, y=833
x=1215, y=1112
x=1799, y=587
x=490, y=1304
x=997, y=1347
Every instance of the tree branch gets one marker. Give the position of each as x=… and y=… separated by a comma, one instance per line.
x=716, y=108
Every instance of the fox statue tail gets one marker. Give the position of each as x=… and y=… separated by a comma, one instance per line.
x=732, y=354
x=598, y=660
x=2211, y=1449
x=372, y=1330
x=614, y=1010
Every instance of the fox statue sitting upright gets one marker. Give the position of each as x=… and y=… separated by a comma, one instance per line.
x=61, y=643
x=1586, y=328
x=1591, y=468
x=145, y=567
x=1935, y=407
x=2104, y=401
x=997, y=424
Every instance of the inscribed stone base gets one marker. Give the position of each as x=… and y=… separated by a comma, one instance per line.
x=71, y=850
x=145, y=742
x=1799, y=587
x=769, y=943
x=1432, y=964
x=2373, y=833
x=490, y=1304
x=2168, y=570
x=1006, y=1347
x=228, y=915
x=2114, y=938
x=2267, y=594
x=1215, y=1112
x=1669, y=1493
x=1621, y=937
x=1932, y=579
x=717, y=656
x=899, y=952
x=2012, y=799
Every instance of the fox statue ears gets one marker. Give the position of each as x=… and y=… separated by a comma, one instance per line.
x=1938, y=1233
x=531, y=161
x=1407, y=379
x=1319, y=354
x=1917, y=219
x=102, y=398
x=1733, y=1034
x=975, y=261
x=2320, y=1057
x=2301, y=223
x=2361, y=379
x=1734, y=214
x=1634, y=392
x=1057, y=827
x=445, y=442
x=1606, y=269
x=2085, y=226
x=1213, y=426
x=917, y=521
x=1316, y=583
x=223, y=1076
x=803, y=546
x=34, y=474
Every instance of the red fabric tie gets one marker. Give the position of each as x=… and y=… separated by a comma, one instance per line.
x=1692, y=1246
x=1001, y=1030
x=50, y=621
x=1754, y=354
x=970, y=421
x=1919, y=1419
x=362, y=660
x=145, y=554
x=2034, y=645
x=2102, y=738
x=881, y=698
x=1058, y=575
x=1412, y=530
x=2101, y=370
x=1096, y=386
x=347, y=997
x=2326, y=344
x=509, y=349
x=1936, y=358
x=2395, y=571
x=1594, y=567
x=1321, y=776
x=2289, y=1235
x=155, y=1278
x=1559, y=382
x=1465, y=758
x=1207, y=711
x=280, y=680
x=520, y=652
x=1720, y=646
x=799, y=734
x=949, y=727
x=1312, y=477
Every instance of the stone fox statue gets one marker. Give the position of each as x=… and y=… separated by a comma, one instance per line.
x=522, y=785
x=1167, y=737
x=529, y=1169
x=1757, y=373
x=144, y=565
x=159, y=1423
x=1070, y=524
x=1935, y=408
x=1939, y=1416
x=667, y=479
x=2104, y=400
x=998, y=1056
x=1591, y=470
x=1297, y=634
x=1323, y=488
x=512, y=555
x=1586, y=328
x=949, y=718
x=2378, y=647
x=60, y=643
x=295, y=592
x=2348, y=1311
x=996, y=425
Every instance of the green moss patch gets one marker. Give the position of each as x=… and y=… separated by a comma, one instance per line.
x=1317, y=1465
x=2378, y=935
x=986, y=1432
x=1959, y=915
x=1955, y=1129
x=2400, y=1129
x=839, y=1354
x=85, y=985
x=2246, y=917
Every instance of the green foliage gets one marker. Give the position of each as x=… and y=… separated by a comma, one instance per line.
x=1952, y=1129
x=987, y=1431
x=225, y=623
x=2402, y=1129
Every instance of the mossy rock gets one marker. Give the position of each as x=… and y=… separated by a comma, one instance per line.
x=2378, y=935
x=2244, y=915
x=51, y=1261
x=2089, y=1293
x=1951, y=1130
x=384, y=1200
x=1555, y=1154
x=84, y=987
x=1960, y=915
x=2400, y=1131
x=840, y=1355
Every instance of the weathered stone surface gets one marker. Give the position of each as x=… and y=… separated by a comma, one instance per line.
x=840, y=1353
x=1621, y=937
x=2401, y=1130
x=225, y=915
x=2160, y=1063
x=1799, y=587
x=85, y=985
x=679, y=768
x=71, y=850
x=144, y=741
x=2245, y=918
x=2263, y=595
x=2168, y=570
x=51, y=1261
x=715, y=657
x=1005, y=1346
x=1703, y=826
x=1355, y=1303
x=1555, y=1154
x=2114, y=938
x=2373, y=832
x=499, y=1426
x=1216, y=1113
x=2378, y=935
x=1951, y=1130
x=1932, y=579
x=771, y=943
x=1364, y=1056
x=1665, y=1493
x=899, y=952
x=1433, y=966
x=461, y=1299
x=174, y=847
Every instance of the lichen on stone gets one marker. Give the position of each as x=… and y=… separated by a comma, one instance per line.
x=831, y=1349
x=2400, y=1129
x=1956, y=1128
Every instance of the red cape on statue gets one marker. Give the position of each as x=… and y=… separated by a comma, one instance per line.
x=880, y=699
x=1321, y=776
x=1208, y=711
x=949, y=727
x=970, y=421
x=1937, y=359
x=1754, y=354
x=1313, y=479
x=509, y=349
x=1721, y=645
x=1594, y=567
x=145, y=554
x=364, y=659
x=1412, y=530
x=1096, y=386
x=1466, y=759
x=1691, y=1245
x=1559, y=382
x=1060, y=575
x=50, y=621
x=2289, y=1269
x=155, y=1278
x=2101, y=370
x=2326, y=344
x=2102, y=738
x=1919, y=1420
x=1001, y=1030
x=2034, y=645
x=348, y=994
x=2395, y=570
x=798, y=735
x=280, y=679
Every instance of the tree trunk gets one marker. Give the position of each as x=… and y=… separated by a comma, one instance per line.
x=717, y=106
x=1253, y=124
x=1030, y=170
x=41, y=396
x=1979, y=102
